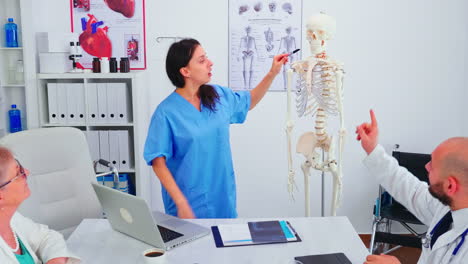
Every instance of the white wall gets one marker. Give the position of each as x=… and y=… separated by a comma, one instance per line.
x=405, y=59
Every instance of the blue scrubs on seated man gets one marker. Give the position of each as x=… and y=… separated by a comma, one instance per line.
x=188, y=139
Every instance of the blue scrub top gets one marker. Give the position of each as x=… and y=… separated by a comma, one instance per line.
x=196, y=146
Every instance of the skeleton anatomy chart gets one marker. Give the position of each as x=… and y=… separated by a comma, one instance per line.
x=110, y=28
x=259, y=30
x=319, y=94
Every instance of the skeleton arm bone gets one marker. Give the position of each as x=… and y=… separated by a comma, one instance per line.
x=289, y=128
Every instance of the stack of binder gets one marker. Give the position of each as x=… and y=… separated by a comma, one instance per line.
x=112, y=145
x=106, y=103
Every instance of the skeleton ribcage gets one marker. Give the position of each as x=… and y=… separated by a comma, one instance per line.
x=317, y=90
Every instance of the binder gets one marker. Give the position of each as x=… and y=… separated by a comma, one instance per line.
x=92, y=137
x=123, y=108
x=73, y=97
x=80, y=98
x=254, y=233
x=92, y=99
x=103, y=148
x=114, y=148
x=102, y=102
x=52, y=102
x=112, y=103
x=124, y=150
x=62, y=103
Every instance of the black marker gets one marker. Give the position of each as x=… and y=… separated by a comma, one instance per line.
x=291, y=53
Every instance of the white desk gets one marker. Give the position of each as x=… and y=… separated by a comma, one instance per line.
x=95, y=242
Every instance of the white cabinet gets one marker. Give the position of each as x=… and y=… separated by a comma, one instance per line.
x=12, y=85
x=102, y=105
x=18, y=87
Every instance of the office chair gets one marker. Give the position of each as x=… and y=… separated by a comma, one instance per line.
x=61, y=171
x=388, y=210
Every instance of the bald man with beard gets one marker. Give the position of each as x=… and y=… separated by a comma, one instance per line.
x=442, y=205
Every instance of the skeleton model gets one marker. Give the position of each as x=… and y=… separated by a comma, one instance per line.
x=247, y=50
x=319, y=94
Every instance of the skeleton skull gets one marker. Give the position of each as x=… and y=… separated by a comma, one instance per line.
x=287, y=7
x=243, y=9
x=258, y=7
x=320, y=28
x=272, y=6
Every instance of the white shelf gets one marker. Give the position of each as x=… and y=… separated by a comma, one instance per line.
x=12, y=85
x=111, y=125
x=114, y=75
x=88, y=125
x=7, y=48
x=120, y=171
x=62, y=125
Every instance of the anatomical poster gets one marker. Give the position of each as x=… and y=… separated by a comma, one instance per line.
x=259, y=30
x=110, y=28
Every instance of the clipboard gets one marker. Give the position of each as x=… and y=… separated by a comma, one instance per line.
x=257, y=235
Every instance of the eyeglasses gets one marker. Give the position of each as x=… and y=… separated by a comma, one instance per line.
x=21, y=173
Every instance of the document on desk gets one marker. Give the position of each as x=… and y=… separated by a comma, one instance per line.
x=254, y=233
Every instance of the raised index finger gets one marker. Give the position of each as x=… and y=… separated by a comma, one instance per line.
x=373, y=119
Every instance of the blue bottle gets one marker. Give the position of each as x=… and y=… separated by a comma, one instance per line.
x=15, y=119
x=11, y=34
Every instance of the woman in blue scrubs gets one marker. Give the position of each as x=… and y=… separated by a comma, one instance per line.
x=188, y=138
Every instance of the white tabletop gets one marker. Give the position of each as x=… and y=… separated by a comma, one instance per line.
x=94, y=241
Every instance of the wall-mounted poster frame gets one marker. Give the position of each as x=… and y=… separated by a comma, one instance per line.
x=110, y=28
x=259, y=30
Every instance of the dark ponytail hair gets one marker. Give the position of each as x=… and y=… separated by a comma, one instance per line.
x=178, y=56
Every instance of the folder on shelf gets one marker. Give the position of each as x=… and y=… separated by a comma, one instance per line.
x=92, y=137
x=114, y=148
x=72, y=104
x=80, y=98
x=254, y=233
x=112, y=103
x=123, y=104
x=75, y=106
x=92, y=100
x=103, y=148
x=52, y=102
x=62, y=103
x=102, y=102
x=124, y=150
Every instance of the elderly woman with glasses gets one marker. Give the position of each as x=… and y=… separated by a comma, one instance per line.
x=21, y=240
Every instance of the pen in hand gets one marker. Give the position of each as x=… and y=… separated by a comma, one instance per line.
x=294, y=51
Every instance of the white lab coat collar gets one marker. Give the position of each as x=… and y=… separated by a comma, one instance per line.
x=459, y=226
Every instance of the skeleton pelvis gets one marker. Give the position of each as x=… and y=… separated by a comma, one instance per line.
x=308, y=142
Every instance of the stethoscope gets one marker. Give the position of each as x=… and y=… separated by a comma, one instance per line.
x=426, y=240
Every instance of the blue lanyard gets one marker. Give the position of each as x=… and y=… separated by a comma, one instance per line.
x=461, y=242
x=455, y=251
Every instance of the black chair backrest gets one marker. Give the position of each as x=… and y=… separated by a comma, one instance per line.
x=414, y=162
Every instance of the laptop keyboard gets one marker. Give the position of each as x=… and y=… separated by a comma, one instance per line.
x=167, y=234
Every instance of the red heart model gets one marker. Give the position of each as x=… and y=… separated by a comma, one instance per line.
x=95, y=42
x=125, y=7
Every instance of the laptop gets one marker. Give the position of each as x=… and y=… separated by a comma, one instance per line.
x=131, y=215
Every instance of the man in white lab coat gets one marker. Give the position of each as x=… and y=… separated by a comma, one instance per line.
x=443, y=205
